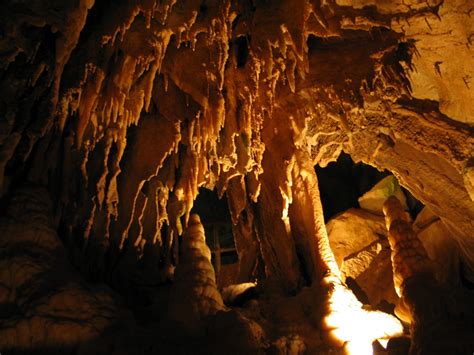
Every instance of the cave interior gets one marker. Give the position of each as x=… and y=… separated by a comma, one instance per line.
x=236, y=177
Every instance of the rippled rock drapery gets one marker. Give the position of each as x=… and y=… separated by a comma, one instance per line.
x=123, y=110
x=45, y=305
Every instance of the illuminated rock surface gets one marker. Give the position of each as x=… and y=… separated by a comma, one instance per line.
x=194, y=293
x=442, y=313
x=442, y=248
x=121, y=111
x=359, y=241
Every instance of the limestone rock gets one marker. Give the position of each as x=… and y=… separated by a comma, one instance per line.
x=373, y=200
x=424, y=219
x=345, y=317
x=469, y=180
x=289, y=345
x=194, y=294
x=441, y=246
x=237, y=294
x=431, y=308
x=443, y=54
x=372, y=271
x=443, y=249
x=234, y=333
x=352, y=231
x=358, y=239
x=44, y=303
x=119, y=113
x=125, y=114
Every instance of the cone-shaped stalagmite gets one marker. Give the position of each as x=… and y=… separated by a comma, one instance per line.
x=441, y=318
x=194, y=294
x=123, y=110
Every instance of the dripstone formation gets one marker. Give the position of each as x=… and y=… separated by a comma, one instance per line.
x=115, y=114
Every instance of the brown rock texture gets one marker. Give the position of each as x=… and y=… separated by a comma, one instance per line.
x=442, y=249
x=359, y=241
x=440, y=316
x=44, y=303
x=122, y=110
x=227, y=92
x=194, y=294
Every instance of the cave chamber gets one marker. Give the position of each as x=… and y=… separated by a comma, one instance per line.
x=236, y=177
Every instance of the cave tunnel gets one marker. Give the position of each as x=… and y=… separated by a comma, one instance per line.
x=236, y=177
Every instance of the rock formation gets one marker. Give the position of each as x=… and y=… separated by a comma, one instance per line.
x=45, y=305
x=119, y=111
x=359, y=241
x=194, y=294
x=441, y=317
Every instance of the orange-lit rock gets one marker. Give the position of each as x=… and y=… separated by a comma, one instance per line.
x=122, y=111
x=194, y=294
x=358, y=239
x=435, y=310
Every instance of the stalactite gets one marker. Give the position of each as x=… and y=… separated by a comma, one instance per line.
x=243, y=228
x=125, y=114
x=306, y=216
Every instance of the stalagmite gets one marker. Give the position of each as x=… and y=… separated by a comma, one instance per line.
x=194, y=294
x=124, y=110
x=441, y=317
x=408, y=254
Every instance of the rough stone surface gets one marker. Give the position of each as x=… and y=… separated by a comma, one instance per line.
x=358, y=239
x=123, y=115
x=374, y=199
x=44, y=303
x=236, y=294
x=424, y=219
x=441, y=246
x=443, y=249
x=353, y=231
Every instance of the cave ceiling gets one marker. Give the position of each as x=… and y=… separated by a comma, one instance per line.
x=124, y=109
x=114, y=114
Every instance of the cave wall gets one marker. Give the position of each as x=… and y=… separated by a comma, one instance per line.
x=124, y=109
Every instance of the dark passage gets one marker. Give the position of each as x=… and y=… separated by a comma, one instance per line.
x=342, y=182
x=215, y=217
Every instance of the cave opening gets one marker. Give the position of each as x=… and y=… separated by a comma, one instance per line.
x=343, y=182
x=216, y=219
